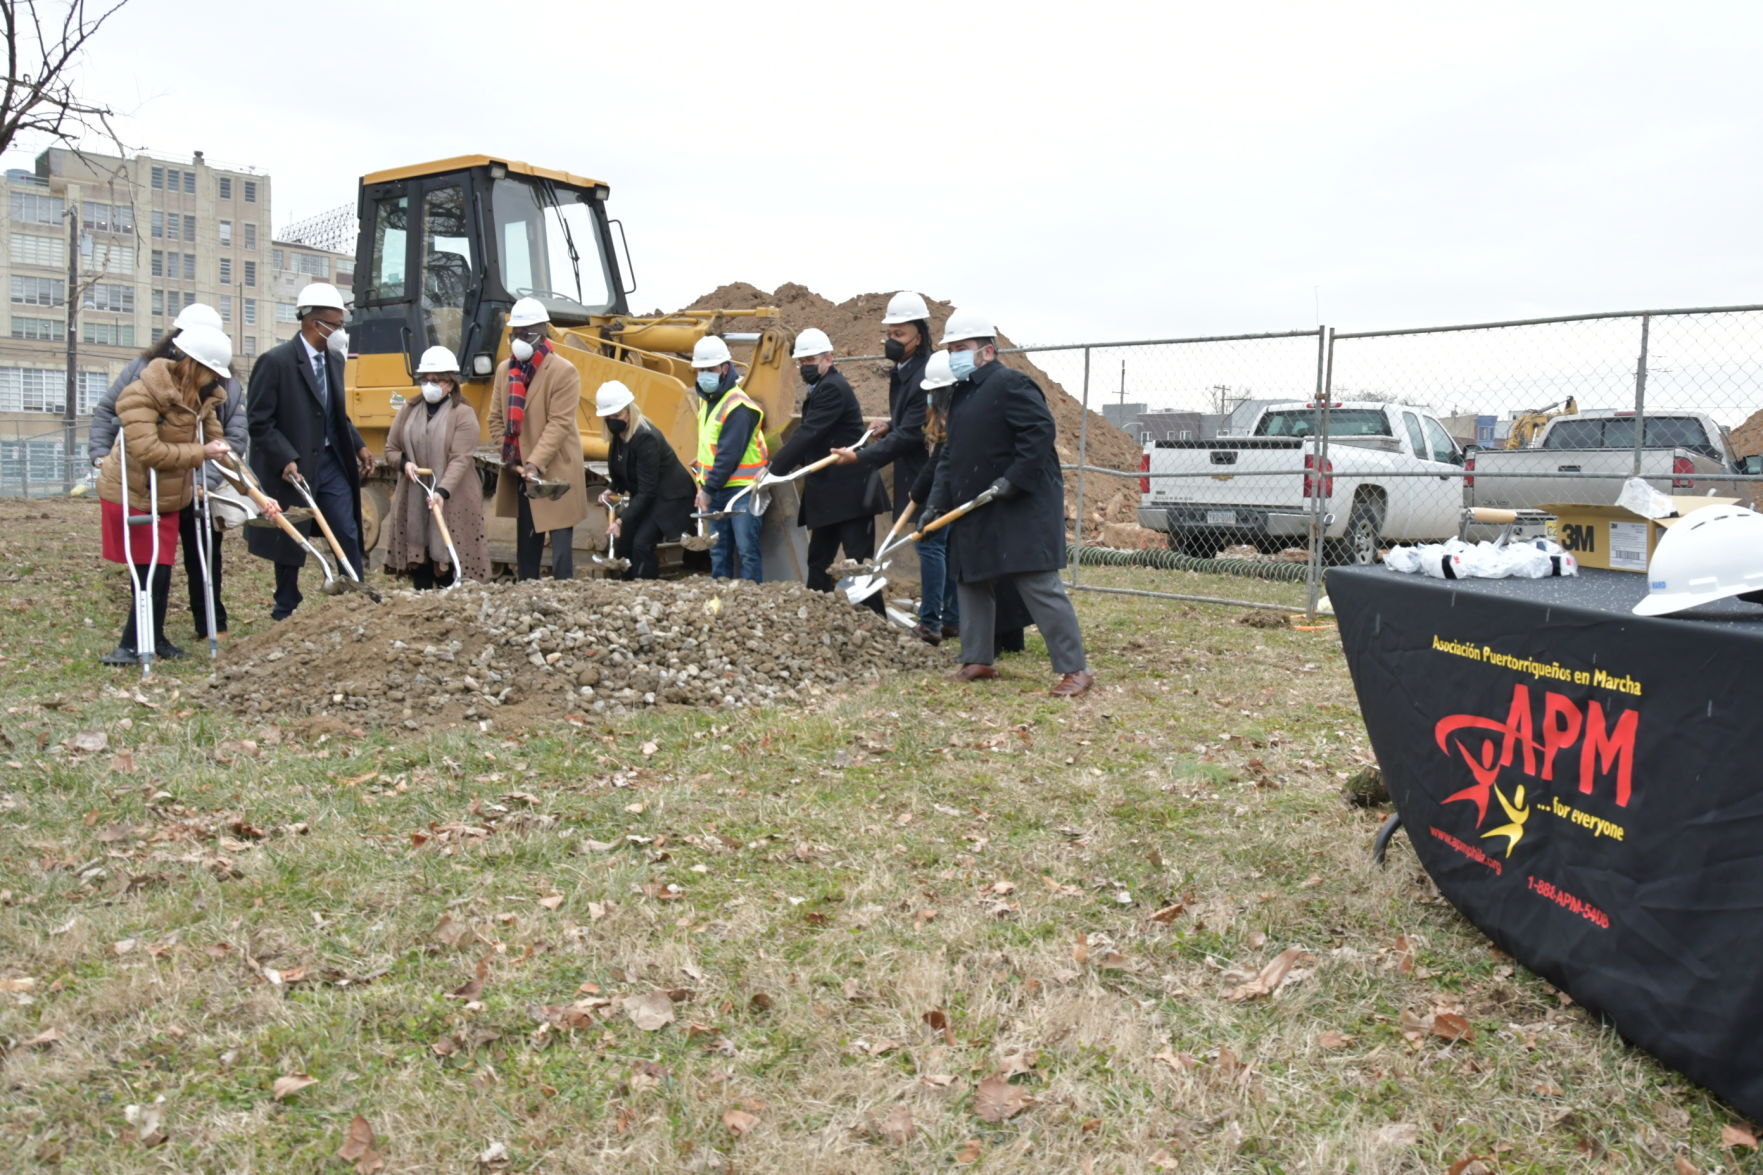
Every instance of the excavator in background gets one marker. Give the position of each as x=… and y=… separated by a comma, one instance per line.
x=445, y=249
x=1526, y=425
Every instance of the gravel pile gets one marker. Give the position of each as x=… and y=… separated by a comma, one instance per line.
x=513, y=654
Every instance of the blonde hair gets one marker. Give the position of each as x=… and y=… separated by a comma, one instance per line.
x=636, y=421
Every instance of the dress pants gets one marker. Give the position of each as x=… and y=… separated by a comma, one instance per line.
x=1043, y=594
x=529, y=544
x=189, y=525
x=330, y=489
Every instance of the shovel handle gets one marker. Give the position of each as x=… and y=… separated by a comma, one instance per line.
x=960, y=511
x=261, y=500
x=1491, y=514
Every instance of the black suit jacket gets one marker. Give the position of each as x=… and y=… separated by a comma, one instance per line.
x=831, y=419
x=644, y=466
x=287, y=422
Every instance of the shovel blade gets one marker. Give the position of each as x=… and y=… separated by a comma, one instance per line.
x=859, y=588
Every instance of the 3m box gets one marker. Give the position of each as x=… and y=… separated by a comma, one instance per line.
x=1614, y=537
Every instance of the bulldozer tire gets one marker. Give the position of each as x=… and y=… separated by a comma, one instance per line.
x=375, y=504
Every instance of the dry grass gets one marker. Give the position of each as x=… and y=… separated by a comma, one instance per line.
x=879, y=906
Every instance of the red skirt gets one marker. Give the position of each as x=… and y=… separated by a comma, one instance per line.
x=140, y=537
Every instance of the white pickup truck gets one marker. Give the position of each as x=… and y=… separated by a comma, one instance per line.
x=1392, y=474
x=1585, y=457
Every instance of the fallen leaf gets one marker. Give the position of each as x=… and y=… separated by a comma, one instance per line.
x=357, y=1148
x=493, y=1154
x=939, y=1020
x=1399, y=1134
x=293, y=1083
x=1164, y=1161
x=969, y=1152
x=124, y=946
x=1737, y=1136
x=649, y=1012
x=1334, y=1040
x=1180, y=1062
x=1473, y=1165
x=739, y=1122
x=1451, y=1026
x=552, y=902
x=474, y=987
x=1684, y=1166
x=44, y=1039
x=1271, y=976
x=938, y=1080
x=450, y=931
x=897, y=1127
x=21, y=984
x=1169, y=913
x=1016, y=1064
x=88, y=742
x=996, y=1100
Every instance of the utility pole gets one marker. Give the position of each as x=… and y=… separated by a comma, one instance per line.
x=1123, y=395
x=70, y=409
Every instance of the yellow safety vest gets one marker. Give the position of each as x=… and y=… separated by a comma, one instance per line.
x=710, y=428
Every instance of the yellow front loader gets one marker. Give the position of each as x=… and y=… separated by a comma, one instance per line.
x=447, y=247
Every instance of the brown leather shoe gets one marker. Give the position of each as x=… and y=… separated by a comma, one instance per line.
x=926, y=635
x=974, y=673
x=1073, y=684
x=950, y=632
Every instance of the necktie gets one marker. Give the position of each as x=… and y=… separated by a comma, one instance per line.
x=324, y=391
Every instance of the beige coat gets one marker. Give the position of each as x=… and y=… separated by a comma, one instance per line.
x=157, y=422
x=550, y=437
x=446, y=446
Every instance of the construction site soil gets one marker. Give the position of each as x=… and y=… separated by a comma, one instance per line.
x=855, y=328
x=514, y=654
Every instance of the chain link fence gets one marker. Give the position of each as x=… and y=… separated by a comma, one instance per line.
x=33, y=458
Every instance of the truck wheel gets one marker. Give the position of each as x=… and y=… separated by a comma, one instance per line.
x=375, y=504
x=1360, y=544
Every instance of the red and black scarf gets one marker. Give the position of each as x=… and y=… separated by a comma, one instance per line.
x=520, y=375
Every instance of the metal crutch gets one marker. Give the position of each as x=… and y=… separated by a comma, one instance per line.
x=142, y=584
x=205, y=544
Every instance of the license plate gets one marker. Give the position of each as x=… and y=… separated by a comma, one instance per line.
x=1221, y=518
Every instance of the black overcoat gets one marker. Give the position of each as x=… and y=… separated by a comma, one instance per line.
x=288, y=424
x=643, y=465
x=904, y=446
x=1000, y=427
x=831, y=419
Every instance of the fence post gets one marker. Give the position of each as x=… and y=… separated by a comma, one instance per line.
x=1318, y=480
x=1640, y=394
x=1083, y=459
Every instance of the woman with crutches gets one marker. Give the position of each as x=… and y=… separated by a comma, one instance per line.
x=147, y=478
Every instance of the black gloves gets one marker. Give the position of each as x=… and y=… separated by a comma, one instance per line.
x=1001, y=489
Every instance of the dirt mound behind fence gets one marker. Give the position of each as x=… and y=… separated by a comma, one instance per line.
x=513, y=654
x=855, y=328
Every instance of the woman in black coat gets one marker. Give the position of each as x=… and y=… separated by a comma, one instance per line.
x=642, y=465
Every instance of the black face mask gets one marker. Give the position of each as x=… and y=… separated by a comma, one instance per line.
x=615, y=427
x=810, y=374
x=894, y=349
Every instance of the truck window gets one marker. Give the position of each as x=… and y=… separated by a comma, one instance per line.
x=1301, y=422
x=1679, y=432
x=1415, y=440
x=1575, y=434
x=1443, y=447
x=386, y=267
x=551, y=251
x=446, y=269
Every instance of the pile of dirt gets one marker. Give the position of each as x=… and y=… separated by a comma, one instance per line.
x=855, y=328
x=512, y=654
x=1747, y=439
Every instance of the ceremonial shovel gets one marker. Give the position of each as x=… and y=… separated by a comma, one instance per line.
x=435, y=507
x=858, y=588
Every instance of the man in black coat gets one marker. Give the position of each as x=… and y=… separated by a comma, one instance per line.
x=1001, y=439
x=299, y=423
x=839, y=503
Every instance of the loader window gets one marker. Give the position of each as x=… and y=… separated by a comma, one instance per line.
x=386, y=268
x=552, y=251
x=446, y=268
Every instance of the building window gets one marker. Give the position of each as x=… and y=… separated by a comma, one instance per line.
x=226, y=271
x=276, y=259
x=36, y=209
x=286, y=312
x=250, y=311
x=226, y=307
x=39, y=291
x=107, y=218
x=226, y=233
x=52, y=329
x=190, y=229
x=173, y=227
x=158, y=303
x=226, y=187
x=159, y=177
x=189, y=183
x=89, y=390
x=250, y=273
x=189, y=267
x=158, y=267
x=189, y=299
x=108, y=334
x=312, y=266
x=171, y=179
x=110, y=296
x=32, y=389
x=30, y=249
x=105, y=257
x=250, y=346
x=158, y=221
x=250, y=191
x=250, y=236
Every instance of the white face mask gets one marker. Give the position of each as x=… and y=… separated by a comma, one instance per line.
x=338, y=343
x=432, y=392
x=521, y=349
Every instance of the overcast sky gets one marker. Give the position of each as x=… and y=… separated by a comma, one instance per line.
x=1080, y=171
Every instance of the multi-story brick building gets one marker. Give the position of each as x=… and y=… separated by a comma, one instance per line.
x=147, y=236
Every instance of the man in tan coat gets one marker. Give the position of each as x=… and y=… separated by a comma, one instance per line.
x=533, y=419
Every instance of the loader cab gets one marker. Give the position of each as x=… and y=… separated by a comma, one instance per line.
x=446, y=248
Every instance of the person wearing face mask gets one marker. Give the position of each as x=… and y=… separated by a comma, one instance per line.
x=1000, y=438
x=533, y=418
x=436, y=431
x=731, y=452
x=642, y=466
x=299, y=423
x=839, y=503
x=102, y=437
x=162, y=416
x=907, y=341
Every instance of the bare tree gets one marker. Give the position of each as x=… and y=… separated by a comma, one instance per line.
x=40, y=100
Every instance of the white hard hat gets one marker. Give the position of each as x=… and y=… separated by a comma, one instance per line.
x=711, y=351
x=937, y=372
x=967, y=324
x=528, y=312
x=320, y=295
x=1709, y=554
x=197, y=314
x=207, y=345
x=905, y=306
x=437, y=361
x=812, y=341
x=612, y=397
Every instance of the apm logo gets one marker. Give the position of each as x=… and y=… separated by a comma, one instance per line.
x=1579, y=537
x=1489, y=746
